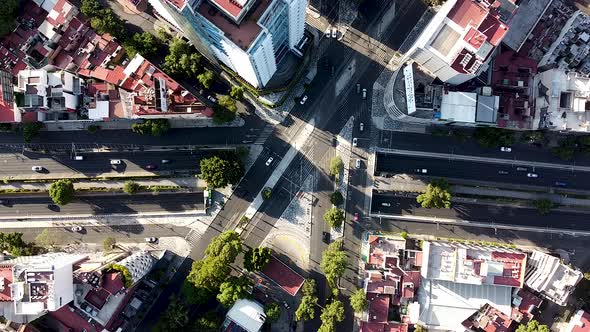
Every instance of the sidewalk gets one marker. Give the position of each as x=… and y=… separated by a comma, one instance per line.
x=183, y=182
x=125, y=124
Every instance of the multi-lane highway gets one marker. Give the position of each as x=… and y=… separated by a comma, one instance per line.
x=41, y=205
x=396, y=205
x=511, y=171
x=19, y=165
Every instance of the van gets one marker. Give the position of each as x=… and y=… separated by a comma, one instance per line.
x=78, y=157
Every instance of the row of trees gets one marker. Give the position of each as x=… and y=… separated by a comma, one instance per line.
x=103, y=20
x=153, y=127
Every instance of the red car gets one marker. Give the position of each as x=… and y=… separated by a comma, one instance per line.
x=356, y=216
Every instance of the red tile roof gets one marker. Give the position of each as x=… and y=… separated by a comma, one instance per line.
x=372, y=327
x=493, y=29
x=230, y=6
x=6, y=274
x=289, y=280
x=74, y=322
x=378, y=307
x=474, y=38
x=467, y=12
x=112, y=282
x=584, y=324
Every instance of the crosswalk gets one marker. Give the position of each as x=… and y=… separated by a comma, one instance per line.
x=264, y=135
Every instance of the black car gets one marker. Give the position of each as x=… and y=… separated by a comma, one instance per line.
x=326, y=237
x=3, y=202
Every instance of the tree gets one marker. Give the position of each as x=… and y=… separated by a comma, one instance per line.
x=30, y=130
x=131, y=187
x=543, y=205
x=331, y=314
x=209, y=273
x=587, y=276
x=237, y=92
x=62, y=191
x=228, y=103
x=534, y=136
x=206, y=78
x=175, y=317
x=336, y=166
x=8, y=14
x=306, y=309
x=222, y=115
x=404, y=235
x=257, y=258
x=309, y=287
x=272, y=312
x=154, y=127
x=437, y=195
x=358, y=301
x=14, y=244
x=266, y=193
x=532, y=326
x=143, y=43
x=334, y=262
x=420, y=328
x=47, y=239
x=106, y=21
x=566, y=149
x=183, y=60
x=336, y=198
x=90, y=8
x=491, y=137
x=221, y=170
x=232, y=290
x=334, y=217
x=209, y=322
x=108, y=243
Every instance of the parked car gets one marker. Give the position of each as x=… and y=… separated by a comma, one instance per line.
x=356, y=216
x=364, y=93
x=334, y=32
x=326, y=237
x=76, y=229
x=151, y=239
x=166, y=161
x=532, y=175
x=386, y=204
x=503, y=172
x=358, y=163
x=37, y=168
x=212, y=99
x=151, y=166
x=269, y=161
x=421, y=170
x=560, y=184
x=505, y=149
x=115, y=161
x=358, y=88
x=328, y=32
x=354, y=141
x=78, y=157
x=361, y=126
x=303, y=100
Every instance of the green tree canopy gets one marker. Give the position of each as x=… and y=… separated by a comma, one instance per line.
x=336, y=166
x=228, y=103
x=232, y=290
x=237, y=92
x=437, y=195
x=183, y=60
x=62, y=191
x=336, y=198
x=103, y=20
x=493, y=137
x=306, y=309
x=334, y=217
x=108, y=243
x=532, y=326
x=209, y=273
x=47, y=238
x=30, y=130
x=257, y=258
x=8, y=14
x=358, y=301
x=309, y=287
x=206, y=78
x=154, y=127
x=209, y=322
x=334, y=262
x=272, y=312
x=176, y=316
x=543, y=205
x=131, y=187
x=143, y=43
x=221, y=170
x=14, y=244
x=331, y=314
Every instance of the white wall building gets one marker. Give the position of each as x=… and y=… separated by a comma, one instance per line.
x=139, y=264
x=250, y=37
x=247, y=314
x=552, y=279
x=457, y=44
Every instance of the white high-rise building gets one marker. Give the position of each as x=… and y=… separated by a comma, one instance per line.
x=251, y=37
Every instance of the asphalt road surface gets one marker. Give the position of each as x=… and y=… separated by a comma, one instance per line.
x=481, y=212
x=17, y=165
x=41, y=205
x=514, y=172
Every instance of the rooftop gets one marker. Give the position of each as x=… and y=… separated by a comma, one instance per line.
x=383, y=327
x=473, y=264
x=289, y=280
x=378, y=307
x=242, y=34
x=548, y=276
x=489, y=319
x=580, y=322
x=249, y=315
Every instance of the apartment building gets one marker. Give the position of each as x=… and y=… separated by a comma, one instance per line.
x=251, y=37
x=457, y=44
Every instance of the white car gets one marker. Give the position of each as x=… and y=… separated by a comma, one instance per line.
x=115, y=161
x=354, y=141
x=385, y=204
x=212, y=99
x=505, y=149
x=37, y=168
x=151, y=239
x=358, y=163
x=76, y=228
x=328, y=32
x=269, y=161
x=532, y=175
x=334, y=32
x=362, y=126
x=421, y=170
x=303, y=100
x=364, y=93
